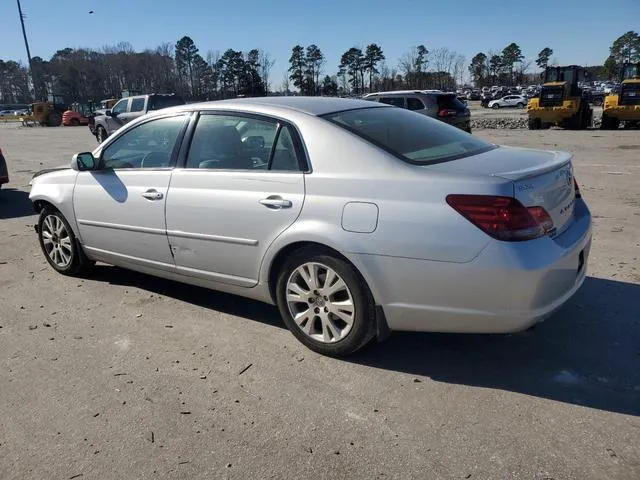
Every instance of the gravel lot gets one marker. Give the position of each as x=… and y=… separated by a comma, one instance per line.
x=119, y=375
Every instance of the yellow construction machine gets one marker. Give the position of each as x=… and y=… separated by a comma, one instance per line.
x=561, y=101
x=49, y=113
x=624, y=105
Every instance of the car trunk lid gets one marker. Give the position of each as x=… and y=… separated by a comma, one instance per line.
x=540, y=178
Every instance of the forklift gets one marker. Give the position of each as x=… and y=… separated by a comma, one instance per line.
x=623, y=106
x=561, y=101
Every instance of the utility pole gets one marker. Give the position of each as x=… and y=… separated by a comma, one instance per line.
x=26, y=44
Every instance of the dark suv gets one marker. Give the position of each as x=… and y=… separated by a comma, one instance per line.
x=445, y=107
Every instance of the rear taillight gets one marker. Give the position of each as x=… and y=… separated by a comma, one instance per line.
x=447, y=112
x=503, y=218
x=577, y=188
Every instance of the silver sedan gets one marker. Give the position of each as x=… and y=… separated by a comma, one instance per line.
x=354, y=218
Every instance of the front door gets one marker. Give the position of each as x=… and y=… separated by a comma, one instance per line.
x=120, y=206
x=118, y=115
x=241, y=187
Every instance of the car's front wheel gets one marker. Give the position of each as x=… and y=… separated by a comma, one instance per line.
x=325, y=302
x=101, y=134
x=59, y=244
x=495, y=106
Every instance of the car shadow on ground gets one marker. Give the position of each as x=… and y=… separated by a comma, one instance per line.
x=587, y=354
x=14, y=204
x=202, y=297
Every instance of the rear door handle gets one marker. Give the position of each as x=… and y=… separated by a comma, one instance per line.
x=275, y=202
x=152, y=194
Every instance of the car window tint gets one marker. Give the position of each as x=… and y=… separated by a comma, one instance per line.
x=231, y=142
x=158, y=103
x=149, y=145
x=137, y=105
x=395, y=101
x=121, y=106
x=415, y=104
x=450, y=102
x=414, y=138
x=284, y=153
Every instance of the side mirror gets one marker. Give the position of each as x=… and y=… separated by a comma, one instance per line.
x=109, y=113
x=84, y=161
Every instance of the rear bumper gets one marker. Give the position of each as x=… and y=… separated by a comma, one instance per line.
x=508, y=287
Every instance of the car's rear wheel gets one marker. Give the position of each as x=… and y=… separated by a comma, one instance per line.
x=75, y=122
x=59, y=244
x=101, y=134
x=520, y=105
x=325, y=302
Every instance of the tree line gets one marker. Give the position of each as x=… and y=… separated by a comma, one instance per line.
x=83, y=74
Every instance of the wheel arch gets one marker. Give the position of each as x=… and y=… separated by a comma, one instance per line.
x=276, y=263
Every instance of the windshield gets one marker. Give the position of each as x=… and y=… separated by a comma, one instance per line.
x=410, y=136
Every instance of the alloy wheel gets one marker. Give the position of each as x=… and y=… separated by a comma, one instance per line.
x=56, y=241
x=320, y=302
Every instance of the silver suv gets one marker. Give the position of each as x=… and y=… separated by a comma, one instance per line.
x=433, y=103
x=107, y=122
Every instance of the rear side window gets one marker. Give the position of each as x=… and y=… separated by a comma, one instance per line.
x=414, y=138
x=395, y=101
x=450, y=102
x=158, y=103
x=137, y=105
x=415, y=104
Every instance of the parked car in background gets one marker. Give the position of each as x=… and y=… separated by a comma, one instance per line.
x=4, y=171
x=509, y=101
x=354, y=217
x=127, y=109
x=445, y=107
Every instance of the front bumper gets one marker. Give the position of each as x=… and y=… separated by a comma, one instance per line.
x=508, y=287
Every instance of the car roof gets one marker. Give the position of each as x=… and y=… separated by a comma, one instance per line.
x=315, y=106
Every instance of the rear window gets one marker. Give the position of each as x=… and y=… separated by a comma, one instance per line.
x=158, y=103
x=450, y=102
x=410, y=136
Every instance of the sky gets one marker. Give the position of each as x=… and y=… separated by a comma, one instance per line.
x=579, y=31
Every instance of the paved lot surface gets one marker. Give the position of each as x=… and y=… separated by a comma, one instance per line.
x=119, y=375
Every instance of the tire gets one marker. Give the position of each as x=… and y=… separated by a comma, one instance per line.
x=534, y=124
x=54, y=120
x=520, y=105
x=318, y=328
x=55, y=235
x=101, y=134
x=74, y=122
x=495, y=106
x=609, y=123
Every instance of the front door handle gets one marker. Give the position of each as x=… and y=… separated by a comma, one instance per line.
x=152, y=194
x=275, y=202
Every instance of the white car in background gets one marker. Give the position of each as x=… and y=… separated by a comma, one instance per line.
x=509, y=101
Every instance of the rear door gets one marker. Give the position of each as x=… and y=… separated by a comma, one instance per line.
x=242, y=185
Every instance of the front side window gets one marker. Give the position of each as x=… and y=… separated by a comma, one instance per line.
x=137, y=104
x=412, y=137
x=121, y=106
x=148, y=145
x=232, y=142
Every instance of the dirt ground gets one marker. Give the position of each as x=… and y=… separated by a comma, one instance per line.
x=119, y=375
